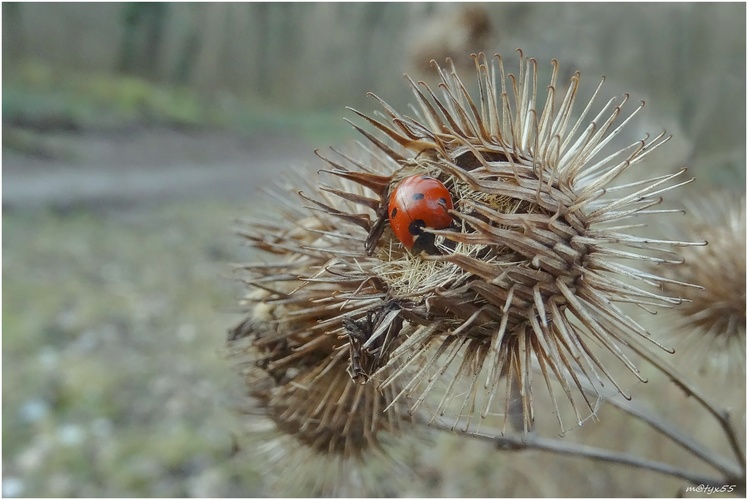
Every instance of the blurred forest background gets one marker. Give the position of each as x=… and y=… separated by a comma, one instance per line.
x=134, y=134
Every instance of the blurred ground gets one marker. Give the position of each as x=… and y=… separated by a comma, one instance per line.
x=117, y=273
x=118, y=291
x=145, y=166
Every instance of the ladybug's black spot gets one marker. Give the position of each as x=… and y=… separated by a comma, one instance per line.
x=416, y=227
x=418, y=196
x=394, y=213
x=442, y=201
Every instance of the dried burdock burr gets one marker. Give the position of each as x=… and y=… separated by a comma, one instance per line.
x=528, y=276
x=709, y=330
x=538, y=259
x=312, y=306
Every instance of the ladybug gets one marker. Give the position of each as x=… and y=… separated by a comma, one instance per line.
x=417, y=202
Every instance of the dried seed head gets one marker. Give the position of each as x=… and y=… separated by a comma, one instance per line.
x=532, y=276
x=540, y=256
x=310, y=419
x=300, y=378
x=296, y=346
x=709, y=334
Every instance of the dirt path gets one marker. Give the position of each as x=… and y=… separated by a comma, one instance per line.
x=146, y=166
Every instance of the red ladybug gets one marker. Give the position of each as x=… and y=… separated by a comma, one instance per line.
x=417, y=202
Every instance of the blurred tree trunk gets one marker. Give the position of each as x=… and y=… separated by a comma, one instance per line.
x=13, y=40
x=262, y=22
x=211, y=25
x=143, y=34
x=186, y=43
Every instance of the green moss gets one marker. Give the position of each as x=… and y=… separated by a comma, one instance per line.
x=38, y=98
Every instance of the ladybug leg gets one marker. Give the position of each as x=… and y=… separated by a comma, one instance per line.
x=376, y=230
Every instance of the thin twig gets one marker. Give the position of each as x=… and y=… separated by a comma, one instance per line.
x=668, y=429
x=512, y=442
x=722, y=416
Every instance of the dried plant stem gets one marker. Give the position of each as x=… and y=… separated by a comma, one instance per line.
x=516, y=442
x=666, y=428
x=722, y=415
x=732, y=473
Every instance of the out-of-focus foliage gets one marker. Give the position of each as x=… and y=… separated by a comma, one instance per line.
x=688, y=60
x=38, y=97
